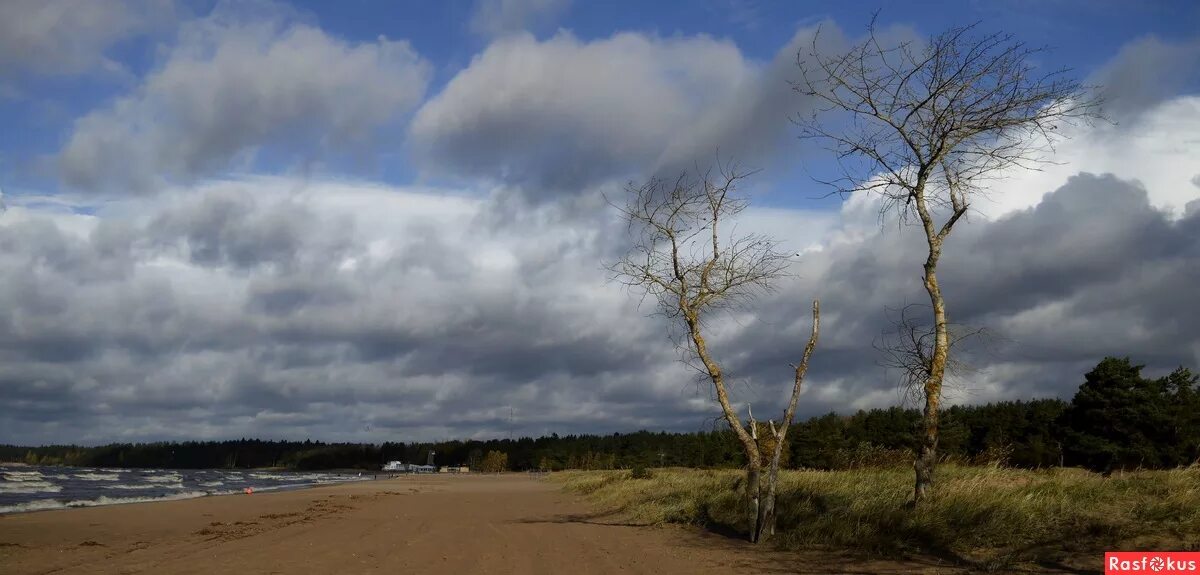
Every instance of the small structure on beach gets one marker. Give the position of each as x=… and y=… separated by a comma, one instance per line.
x=401, y=467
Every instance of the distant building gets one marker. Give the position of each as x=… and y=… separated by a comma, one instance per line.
x=401, y=467
x=454, y=469
x=394, y=466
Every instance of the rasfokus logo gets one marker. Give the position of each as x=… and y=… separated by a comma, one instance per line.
x=1165, y=562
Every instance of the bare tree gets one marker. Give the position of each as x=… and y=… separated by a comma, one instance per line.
x=681, y=258
x=927, y=125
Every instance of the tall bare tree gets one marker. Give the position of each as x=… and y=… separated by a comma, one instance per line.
x=927, y=125
x=681, y=257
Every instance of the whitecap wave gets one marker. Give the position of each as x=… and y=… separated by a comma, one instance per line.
x=97, y=476
x=38, y=505
x=127, y=486
x=272, y=476
x=106, y=500
x=25, y=487
x=45, y=504
x=166, y=478
x=23, y=475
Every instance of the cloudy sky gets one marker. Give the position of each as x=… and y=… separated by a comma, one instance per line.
x=384, y=221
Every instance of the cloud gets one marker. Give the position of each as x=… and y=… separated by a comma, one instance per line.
x=242, y=305
x=58, y=37
x=1147, y=72
x=273, y=307
x=282, y=307
x=1092, y=270
x=561, y=116
x=495, y=18
x=233, y=86
x=1154, y=147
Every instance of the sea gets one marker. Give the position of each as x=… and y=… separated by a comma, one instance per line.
x=33, y=488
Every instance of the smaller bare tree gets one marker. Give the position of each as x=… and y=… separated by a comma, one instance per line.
x=681, y=258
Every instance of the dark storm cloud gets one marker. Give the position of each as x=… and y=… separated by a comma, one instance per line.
x=243, y=312
x=1093, y=270
x=343, y=328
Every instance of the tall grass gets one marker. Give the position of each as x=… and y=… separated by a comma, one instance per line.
x=988, y=515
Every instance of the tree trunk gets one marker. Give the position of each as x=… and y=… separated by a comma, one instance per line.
x=927, y=453
x=753, y=493
x=766, y=515
x=749, y=444
x=766, y=522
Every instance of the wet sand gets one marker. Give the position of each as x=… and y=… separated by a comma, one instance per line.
x=431, y=524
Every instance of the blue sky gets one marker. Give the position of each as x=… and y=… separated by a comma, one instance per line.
x=372, y=221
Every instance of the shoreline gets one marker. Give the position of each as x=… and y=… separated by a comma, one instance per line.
x=36, y=489
x=113, y=501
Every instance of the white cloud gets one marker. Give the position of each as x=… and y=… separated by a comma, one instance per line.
x=231, y=86
x=1159, y=149
x=564, y=113
x=494, y=18
x=57, y=37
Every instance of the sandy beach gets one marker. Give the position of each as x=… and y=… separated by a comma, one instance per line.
x=432, y=524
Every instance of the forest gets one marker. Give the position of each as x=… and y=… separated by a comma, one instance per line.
x=1118, y=419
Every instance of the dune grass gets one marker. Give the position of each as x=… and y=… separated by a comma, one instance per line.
x=985, y=515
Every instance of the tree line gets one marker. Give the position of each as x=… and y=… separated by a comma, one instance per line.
x=1118, y=419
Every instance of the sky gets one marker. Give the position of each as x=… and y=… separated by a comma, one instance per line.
x=385, y=221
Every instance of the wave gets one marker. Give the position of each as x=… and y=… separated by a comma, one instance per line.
x=127, y=486
x=28, y=486
x=211, y=483
x=23, y=475
x=45, y=504
x=32, y=506
x=271, y=476
x=96, y=476
x=167, y=478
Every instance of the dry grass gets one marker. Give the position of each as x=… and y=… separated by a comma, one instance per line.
x=985, y=515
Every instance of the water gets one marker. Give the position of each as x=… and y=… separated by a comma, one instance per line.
x=32, y=488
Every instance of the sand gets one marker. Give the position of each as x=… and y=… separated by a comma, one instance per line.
x=430, y=524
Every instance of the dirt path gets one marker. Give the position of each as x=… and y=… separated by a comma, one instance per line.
x=466, y=524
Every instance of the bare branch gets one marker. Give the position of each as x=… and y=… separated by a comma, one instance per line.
x=907, y=350
x=936, y=120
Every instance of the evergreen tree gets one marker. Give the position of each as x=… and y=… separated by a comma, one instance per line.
x=1121, y=420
